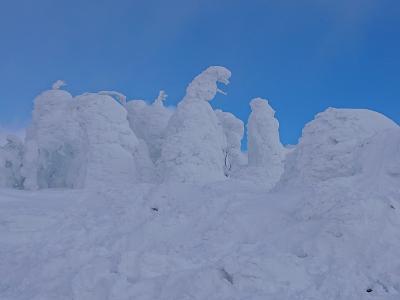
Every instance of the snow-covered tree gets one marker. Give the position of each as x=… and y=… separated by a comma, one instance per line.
x=51, y=157
x=194, y=140
x=233, y=129
x=110, y=145
x=58, y=84
x=149, y=122
x=11, y=162
x=79, y=142
x=162, y=96
x=265, y=151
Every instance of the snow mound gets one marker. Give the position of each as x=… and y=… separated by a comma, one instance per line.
x=331, y=145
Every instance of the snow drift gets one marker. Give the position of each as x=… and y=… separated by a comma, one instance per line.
x=332, y=145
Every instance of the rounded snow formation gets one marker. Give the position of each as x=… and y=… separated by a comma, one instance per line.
x=332, y=144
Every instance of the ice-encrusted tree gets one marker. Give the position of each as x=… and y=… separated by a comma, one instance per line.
x=193, y=147
x=51, y=157
x=149, y=122
x=78, y=142
x=110, y=146
x=11, y=162
x=265, y=151
x=162, y=96
x=58, y=84
x=233, y=129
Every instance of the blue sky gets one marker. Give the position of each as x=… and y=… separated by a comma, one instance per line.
x=303, y=56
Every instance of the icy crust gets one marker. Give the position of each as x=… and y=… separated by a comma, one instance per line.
x=194, y=140
x=331, y=145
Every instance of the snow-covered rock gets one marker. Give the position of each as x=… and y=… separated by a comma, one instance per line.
x=194, y=140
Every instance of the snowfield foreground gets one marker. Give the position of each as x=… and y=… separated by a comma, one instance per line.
x=115, y=199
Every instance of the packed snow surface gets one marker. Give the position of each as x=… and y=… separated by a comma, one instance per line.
x=94, y=206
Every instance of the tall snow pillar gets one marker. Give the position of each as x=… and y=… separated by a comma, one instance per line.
x=265, y=151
